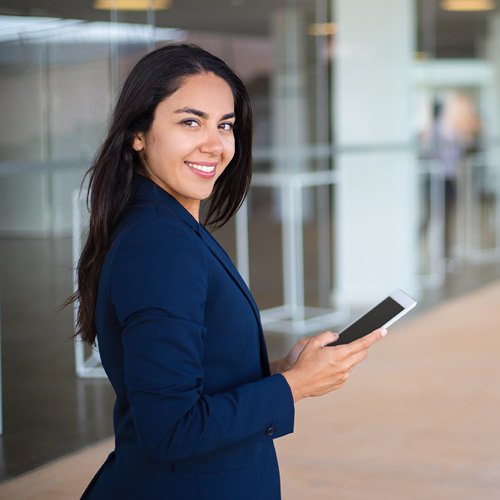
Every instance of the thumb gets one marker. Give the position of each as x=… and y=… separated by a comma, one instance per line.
x=326, y=338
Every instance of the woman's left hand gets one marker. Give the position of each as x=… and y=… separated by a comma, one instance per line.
x=281, y=365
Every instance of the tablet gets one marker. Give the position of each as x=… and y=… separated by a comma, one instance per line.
x=383, y=315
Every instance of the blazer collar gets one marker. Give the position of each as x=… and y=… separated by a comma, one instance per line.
x=146, y=190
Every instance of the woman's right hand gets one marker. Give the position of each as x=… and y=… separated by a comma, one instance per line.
x=320, y=369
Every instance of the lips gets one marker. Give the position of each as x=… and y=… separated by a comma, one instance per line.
x=202, y=169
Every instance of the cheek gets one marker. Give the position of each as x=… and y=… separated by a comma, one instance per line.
x=164, y=149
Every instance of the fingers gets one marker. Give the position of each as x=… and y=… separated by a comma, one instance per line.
x=365, y=342
x=357, y=351
x=318, y=371
x=325, y=338
x=357, y=358
x=304, y=341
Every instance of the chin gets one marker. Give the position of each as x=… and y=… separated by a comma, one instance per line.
x=204, y=194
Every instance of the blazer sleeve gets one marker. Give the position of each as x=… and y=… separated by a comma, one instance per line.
x=158, y=288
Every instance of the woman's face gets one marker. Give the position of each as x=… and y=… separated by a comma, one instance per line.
x=191, y=140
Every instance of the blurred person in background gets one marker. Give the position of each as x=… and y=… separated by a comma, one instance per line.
x=452, y=135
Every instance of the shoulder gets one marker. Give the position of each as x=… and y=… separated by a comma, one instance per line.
x=158, y=261
x=155, y=242
x=155, y=229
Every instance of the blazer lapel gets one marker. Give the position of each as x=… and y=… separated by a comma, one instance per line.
x=223, y=258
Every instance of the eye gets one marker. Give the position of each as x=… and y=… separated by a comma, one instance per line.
x=227, y=126
x=190, y=123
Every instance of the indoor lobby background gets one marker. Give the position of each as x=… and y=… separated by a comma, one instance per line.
x=376, y=167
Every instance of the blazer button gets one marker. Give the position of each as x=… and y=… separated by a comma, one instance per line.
x=270, y=431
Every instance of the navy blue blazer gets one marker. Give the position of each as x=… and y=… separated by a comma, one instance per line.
x=181, y=341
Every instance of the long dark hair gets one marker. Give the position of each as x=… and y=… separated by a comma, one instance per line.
x=155, y=77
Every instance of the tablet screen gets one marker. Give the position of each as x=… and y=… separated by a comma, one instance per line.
x=375, y=318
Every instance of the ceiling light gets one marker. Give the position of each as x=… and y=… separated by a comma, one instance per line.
x=421, y=56
x=468, y=5
x=322, y=29
x=136, y=5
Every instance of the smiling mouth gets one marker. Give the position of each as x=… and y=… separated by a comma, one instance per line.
x=204, y=169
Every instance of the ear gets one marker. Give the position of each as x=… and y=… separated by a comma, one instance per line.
x=138, y=141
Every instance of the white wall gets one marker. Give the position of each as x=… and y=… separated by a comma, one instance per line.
x=376, y=204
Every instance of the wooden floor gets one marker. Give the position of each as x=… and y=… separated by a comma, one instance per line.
x=419, y=420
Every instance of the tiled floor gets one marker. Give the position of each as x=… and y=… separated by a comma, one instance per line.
x=48, y=412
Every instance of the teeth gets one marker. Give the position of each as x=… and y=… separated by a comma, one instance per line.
x=202, y=168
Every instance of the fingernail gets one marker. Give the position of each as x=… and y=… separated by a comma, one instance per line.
x=383, y=332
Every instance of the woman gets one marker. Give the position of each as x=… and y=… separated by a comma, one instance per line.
x=197, y=402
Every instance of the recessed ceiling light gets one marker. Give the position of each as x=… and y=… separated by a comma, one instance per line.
x=321, y=29
x=468, y=5
x=136, y=5
x=421, y=56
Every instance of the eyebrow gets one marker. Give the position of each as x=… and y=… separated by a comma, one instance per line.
x=202, y=114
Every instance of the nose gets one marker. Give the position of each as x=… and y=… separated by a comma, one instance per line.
x=212, y=142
